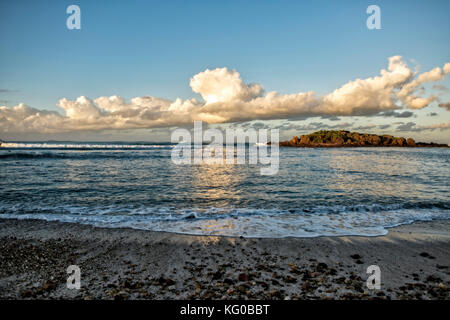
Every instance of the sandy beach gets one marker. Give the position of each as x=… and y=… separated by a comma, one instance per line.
x=133, y=264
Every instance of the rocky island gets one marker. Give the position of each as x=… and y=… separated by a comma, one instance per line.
x=342, y=138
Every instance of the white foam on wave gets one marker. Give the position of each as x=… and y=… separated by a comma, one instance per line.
x=247, y=222
x=49, y=145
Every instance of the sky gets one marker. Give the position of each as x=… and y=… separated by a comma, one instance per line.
x=138, y=69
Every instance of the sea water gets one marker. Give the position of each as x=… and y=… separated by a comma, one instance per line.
x=316, y=192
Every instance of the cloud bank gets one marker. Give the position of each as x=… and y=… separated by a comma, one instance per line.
x=226, y=98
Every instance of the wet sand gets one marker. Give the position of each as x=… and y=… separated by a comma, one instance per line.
x=133, y=264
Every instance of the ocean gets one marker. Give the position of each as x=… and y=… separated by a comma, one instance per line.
x=316, y=192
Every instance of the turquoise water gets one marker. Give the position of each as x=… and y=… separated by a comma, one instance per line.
x=317, y=192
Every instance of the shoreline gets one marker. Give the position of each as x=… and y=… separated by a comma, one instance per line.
x=175, y=233
x=127, y=263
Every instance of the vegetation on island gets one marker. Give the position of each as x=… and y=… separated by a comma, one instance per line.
x=343, y=138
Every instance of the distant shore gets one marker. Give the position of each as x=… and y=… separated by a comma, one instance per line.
x=132, y=264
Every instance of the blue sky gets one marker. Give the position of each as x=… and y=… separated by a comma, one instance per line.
x=152, y=48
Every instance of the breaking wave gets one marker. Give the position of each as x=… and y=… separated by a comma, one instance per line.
x=373, y=220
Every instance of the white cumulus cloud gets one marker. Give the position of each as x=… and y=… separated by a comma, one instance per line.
x=227, y=98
